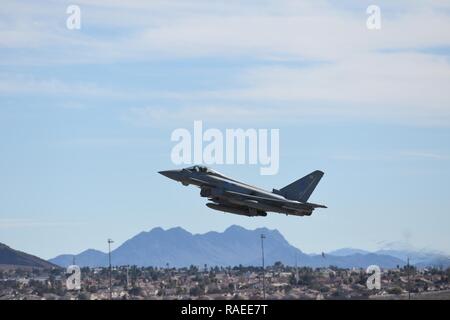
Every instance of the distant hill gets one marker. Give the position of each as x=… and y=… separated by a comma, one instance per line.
x=88, y=257
x=420, y=258
x=347, y=252
x=10, y=258
x=236, y=245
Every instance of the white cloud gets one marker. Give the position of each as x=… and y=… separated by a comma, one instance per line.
x=427, y=155
x=356, y=79
x=34, y=223
x=400, y=155
x=397, y=86
x=147, y=30
x=11, y=83
x=94, y=142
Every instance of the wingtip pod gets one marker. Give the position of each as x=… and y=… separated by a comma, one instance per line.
x=315, y=205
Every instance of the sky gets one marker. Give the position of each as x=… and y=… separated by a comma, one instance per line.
x=86, y=117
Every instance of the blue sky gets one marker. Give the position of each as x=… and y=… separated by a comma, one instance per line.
x=86, y=117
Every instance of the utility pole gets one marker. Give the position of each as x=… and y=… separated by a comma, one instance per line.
x=110, y=268
x=409, y=283
x=128, y=279
x=264, y=275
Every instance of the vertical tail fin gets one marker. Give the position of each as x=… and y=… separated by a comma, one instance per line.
x=301, y=189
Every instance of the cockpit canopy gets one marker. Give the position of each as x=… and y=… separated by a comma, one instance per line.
x=202, y=169
x=198, y=169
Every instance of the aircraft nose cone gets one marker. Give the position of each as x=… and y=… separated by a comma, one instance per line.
x=171, y=174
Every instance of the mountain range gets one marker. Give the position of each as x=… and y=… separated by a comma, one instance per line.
x=177, y=247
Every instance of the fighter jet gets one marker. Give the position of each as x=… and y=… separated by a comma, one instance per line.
x=228, y=195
